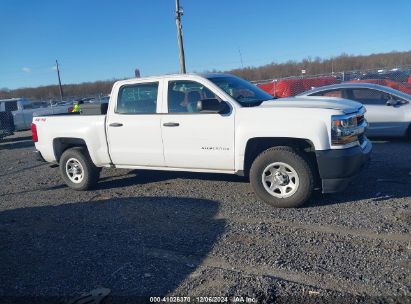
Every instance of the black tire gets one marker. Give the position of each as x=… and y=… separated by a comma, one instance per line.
x=408, y=135
x=91, y=173
x=291, y=158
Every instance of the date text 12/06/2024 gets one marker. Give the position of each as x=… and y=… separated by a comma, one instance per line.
x=176, y=299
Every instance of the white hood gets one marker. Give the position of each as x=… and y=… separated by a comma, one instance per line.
x=344, y=105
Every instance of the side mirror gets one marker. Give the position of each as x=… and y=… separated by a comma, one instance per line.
x=392, y=102
x=211, y=105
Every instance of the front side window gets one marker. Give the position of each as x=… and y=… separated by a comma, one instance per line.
x=183, y=96
x=244, y=92
x=138, y=98
x=370, y=97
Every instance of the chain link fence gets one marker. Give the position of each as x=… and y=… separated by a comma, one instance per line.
x=396, y=78
x=6, y=124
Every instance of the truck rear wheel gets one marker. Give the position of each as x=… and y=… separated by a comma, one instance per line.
x=78, y=170
x=282, y=178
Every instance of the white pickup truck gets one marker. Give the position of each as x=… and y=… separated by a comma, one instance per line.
x=214, y=123
x=22, y=111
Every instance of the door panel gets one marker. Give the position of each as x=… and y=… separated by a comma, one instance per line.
x=193, y=139
x=18, y=120
x=137, y=142
x=199, y=141
x=383, y=120
x=133, y=130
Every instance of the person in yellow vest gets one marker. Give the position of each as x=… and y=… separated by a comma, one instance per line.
x=76, y=107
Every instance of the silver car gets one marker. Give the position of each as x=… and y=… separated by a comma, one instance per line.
x=388, y=110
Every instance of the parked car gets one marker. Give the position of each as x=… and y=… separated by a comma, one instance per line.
x=293, y=86
x=215, y=123
x=56, y=108
x=395, y=75
x=21, y=109
x=6, y=124
x=400, y=86
x=388, y=110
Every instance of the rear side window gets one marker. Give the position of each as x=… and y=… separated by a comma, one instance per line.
x=10, y=106
x=138, y=99
x=332, y=93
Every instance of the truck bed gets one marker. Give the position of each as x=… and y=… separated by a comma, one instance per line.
x=60, y=129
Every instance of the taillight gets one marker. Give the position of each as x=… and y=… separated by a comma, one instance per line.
x=34, y=132
x=70, y=109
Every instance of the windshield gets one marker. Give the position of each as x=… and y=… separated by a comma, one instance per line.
x=244, y=92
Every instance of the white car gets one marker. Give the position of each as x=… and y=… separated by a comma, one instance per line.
x=388, y=110
x=22, y=110
x=57, y=108
x=214, y=123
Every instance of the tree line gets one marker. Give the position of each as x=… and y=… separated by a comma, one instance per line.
x=316, y=66
x=312, y=66
x=70, y=91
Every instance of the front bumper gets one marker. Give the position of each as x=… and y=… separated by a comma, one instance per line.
x=338, y=167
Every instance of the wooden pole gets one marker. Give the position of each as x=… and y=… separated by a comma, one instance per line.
x=58, y=75
x=179, y=13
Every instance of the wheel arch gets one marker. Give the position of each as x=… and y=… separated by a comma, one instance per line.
x=61, y=144
x=255, y=146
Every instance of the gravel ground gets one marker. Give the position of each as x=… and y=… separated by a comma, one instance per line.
x=143, y=233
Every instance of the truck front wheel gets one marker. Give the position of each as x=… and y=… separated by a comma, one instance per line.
x=78, y=170
x=281, y=177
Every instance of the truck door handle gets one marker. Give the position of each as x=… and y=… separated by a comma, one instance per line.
x=116, y=124
x=171, y=124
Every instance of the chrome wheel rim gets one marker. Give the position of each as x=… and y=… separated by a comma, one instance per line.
x=280, y=180
x=74, y=170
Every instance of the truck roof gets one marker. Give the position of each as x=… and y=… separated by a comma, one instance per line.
x=183, y=76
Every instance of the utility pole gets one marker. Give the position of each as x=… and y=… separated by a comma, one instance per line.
x=179, y=13
x=241, y=58
x=58, y=75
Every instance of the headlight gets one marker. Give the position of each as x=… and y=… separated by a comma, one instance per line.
x=344, y=129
